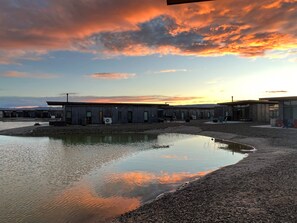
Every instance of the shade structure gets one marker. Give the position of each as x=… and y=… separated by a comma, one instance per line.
x=174, y=2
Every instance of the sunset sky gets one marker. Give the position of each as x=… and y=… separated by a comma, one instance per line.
x=146, y=51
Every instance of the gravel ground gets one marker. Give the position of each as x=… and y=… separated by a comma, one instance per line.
x=260, y=188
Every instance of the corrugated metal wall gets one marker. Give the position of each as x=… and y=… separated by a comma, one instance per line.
x=118, y=114
x=261, y=113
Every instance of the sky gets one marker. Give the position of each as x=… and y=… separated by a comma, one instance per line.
x=145, y=51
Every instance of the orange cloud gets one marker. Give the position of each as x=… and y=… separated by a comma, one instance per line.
x=112, y=76
x=142, y=99
x=17, y=74
x=40, y=101
x=246, y=28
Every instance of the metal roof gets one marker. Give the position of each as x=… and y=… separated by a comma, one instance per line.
x=33, y=109
x=248, y=102
x=62, y=103
x=280, y=98
x=197, y=106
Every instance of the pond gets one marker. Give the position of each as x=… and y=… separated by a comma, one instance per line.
x=95, y=178
x=17, y=124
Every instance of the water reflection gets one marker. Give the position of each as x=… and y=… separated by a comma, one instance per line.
x=94, y=178
x=234, y=147
x=83, y=204
x=145, y=185
x=136, y=179
x=106, y=139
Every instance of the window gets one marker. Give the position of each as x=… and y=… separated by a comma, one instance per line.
x=68, y=114
x=145, y=116
x=89, y=114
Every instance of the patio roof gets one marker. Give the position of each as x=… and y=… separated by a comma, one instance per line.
x=287, y=98
x=248, y=102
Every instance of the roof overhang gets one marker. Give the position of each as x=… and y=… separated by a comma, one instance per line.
x=287, y=98
x=193, y=107
x=63, y=103
x=247, y=102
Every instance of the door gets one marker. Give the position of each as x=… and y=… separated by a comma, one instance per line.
x=69, y=117
x=119, y=116
x=130, y=116
x=101, y=117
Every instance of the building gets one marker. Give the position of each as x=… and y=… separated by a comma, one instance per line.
x=82, y=113
x=189, y=112
x=284, y=113
x=31, y=113
x=247, y=110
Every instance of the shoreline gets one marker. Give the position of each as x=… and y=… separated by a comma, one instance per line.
x=247, y=191
x=259, y=188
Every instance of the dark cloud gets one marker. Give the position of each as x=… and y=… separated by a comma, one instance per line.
x=69, y=93
x=276, y=92
x=163, y=35
x=155, y=34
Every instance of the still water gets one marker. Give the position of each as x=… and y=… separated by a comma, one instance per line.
x=95, y=178
x=12, y=125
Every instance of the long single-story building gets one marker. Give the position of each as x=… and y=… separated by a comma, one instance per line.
x=85, y=113
x=31, y=113
x=285, y=111
x=246, y=110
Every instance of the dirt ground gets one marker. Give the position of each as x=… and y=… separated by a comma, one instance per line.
x=260, y=188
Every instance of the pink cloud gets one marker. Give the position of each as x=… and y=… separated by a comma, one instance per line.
x=112, y=76
x=18, y=74
x=159, y=99
x=12, y=56
x=172, y=71
x=142, y=99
